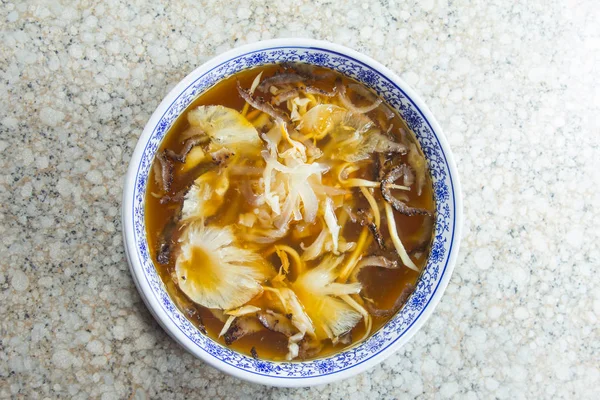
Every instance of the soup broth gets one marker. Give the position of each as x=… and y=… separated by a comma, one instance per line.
x=289, y=212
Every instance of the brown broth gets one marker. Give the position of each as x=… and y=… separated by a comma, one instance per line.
x=382, y=285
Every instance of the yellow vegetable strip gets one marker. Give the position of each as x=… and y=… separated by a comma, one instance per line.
x=278, y=294
x=348, y=168
x=285, y=262
x=227, y=325
x=253, y=114
x=295, y=144
x=361, y=244
x=368, y=321
x=367, y=193
x=311, y=98
x=342, y=220
x=292, y=252
x=391, y=222
x=252, y=89
x=357, y=182
x=238, y=312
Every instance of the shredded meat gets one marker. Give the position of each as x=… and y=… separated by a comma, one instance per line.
x=312, y=151
x=187, y=147
x=165, y=241
x=192, y=314
x=221, y=156
x=365, y=218
x=166, y=171
x=260, y=104
x=290, y=94
x=308, y=71
x=377, y=261
x=388, y=112
x=285, y=96
x=251, y=197
x=376, y=234
x=407, y=174
x=372, y=261
x=380, y=163
x=404, y=295
x=320, y=92
x=391, y=177
x=164, y=253
x=276, y=322
x=241, y=327
x=418, y=164
x=218, y=157
x=346, y=338
x=341, y=89
x=280, y=79
x=309, y=348
x=176, y=198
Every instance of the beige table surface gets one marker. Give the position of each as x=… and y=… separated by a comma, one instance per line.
x=515, y=87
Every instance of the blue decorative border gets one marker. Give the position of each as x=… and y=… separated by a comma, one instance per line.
x=444, y=193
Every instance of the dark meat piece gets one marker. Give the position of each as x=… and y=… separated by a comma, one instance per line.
x=363, y=92
x=260, y=104
x=164, y=253
x=290, y=94
x=378, y=261
x=407, y=174
x=384, y=162
x=176, y=198
x=346, y=338
x=166, y=170
x=276, y=322
x=391, y=177
x=193, y=314
x=285, y=96
x=218, y=157
x=404, y=295
x=308, y=71
x=388, y=112
x=366, y=219
x=221, y=156
x=320, y=92
x=309, y=348
x=241, y=327
x=370, y=96
x=312, y=151
x=376, y=234
x=372, y=261
x=251, y=197
x=280, y=79
x=165, y=238
x=165, y=241
x=187, y=147
x=341, y=89
x=380, y=167
x=254, y=353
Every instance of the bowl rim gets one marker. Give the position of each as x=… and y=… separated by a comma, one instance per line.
x=143, y=286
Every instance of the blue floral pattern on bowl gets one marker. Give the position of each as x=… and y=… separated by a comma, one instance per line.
x=444, y=192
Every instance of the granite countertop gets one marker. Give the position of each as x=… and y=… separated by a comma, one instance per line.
x=515, y=87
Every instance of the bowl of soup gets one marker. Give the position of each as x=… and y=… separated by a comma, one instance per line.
x=291, y=213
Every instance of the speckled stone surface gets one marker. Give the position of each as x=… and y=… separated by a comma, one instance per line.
x=516, y=89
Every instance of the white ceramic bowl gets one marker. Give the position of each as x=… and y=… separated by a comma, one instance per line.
x=433, y=280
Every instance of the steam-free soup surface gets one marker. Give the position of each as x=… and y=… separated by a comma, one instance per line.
x=289, y=212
